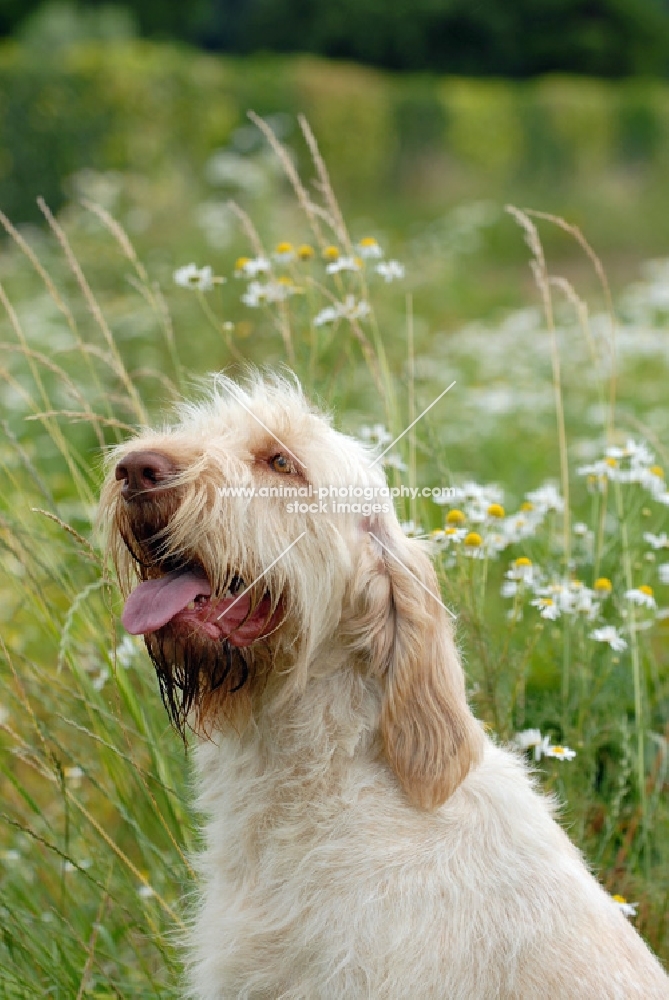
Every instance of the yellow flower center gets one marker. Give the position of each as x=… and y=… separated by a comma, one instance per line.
x=495, y=510
x=603, y=584
x=241, y=263
x=305, y=252
x=473, y=539
x=523, y=561
x=611, y=462
x=451, y=531
x=547, y=602
x=331, y=253
x=285, y=280
x=283, y=248
x=455, y=517
x=558, y=750
x=527, y=506
x=657, y=470
x=368, y=241
x=437, y=533
x=619, y=899
x=645, y=589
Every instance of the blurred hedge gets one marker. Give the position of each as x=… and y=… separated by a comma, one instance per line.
x=154, y=109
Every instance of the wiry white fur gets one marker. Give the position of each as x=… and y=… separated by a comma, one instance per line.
x=323, y=876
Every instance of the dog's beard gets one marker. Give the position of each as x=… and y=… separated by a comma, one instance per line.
x=192, y=671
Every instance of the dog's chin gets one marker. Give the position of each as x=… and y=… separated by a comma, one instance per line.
x=200, y=677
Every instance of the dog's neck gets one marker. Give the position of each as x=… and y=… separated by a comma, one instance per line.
x=313, y=734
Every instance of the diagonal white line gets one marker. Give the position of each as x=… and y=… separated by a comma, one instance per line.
x=265, y=427
x=413, y=575
x=420, y=415
x=266, y=570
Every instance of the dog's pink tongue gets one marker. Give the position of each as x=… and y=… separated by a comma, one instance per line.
x=155, y=602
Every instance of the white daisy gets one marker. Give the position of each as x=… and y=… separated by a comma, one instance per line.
x=199, y=278
x=629, y=909
x=390, y=270
x=343, y=264
x=610, y=634
x=559, y=752
x=642, y=595
x=656, y=541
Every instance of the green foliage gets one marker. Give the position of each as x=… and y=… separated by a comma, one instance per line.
x=522, y=38
x=154, y=111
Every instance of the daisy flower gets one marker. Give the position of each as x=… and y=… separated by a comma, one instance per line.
x=628, y=909
x=200, y=279
x=642, y=596
x=610, y=634
x=390, y=270
x=368, y=248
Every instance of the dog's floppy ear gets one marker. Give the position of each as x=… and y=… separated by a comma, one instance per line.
x=431, y=737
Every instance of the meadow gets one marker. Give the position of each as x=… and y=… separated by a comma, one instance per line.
x=553, y=549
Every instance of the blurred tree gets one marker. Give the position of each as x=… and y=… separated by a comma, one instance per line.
x=514, y=38
x=518, y=38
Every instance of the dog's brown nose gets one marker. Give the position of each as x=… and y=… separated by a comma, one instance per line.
x=143, y=473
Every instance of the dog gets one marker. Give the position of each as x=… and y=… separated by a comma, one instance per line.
x=363, y=836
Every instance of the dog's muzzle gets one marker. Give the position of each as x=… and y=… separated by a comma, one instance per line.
x=179, y=595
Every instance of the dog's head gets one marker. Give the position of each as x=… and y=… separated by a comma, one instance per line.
x=250, y=539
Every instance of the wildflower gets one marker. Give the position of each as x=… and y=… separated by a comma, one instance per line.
x=394, y=461
x=390, y=270
x=559, y=752
x=343, y=264
x=529, y=739
x=473, y=540
x=330, y=314
x=602, y=586
x=199, y=278
x=455, y=517
x=495, y=510
x=305, y=252
x=526, y=506
x=145, y=891
x=125, y=652
x=521, y=573
x=642, y=595
x=656, y=541
x=330, y=253
x=629, y=909
x=376, y=434
x=369, y=248
x=546, y=498
x=532, y=739
x=663, y=572
x=411, y=529
x=455, y=534
x=246, y=267
x=258, y=294
x=547, y=607
x=284, y=253
x=349, y=309
x=73, y=776
x=610, y=634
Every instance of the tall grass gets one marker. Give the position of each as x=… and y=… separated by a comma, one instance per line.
x=95, y=829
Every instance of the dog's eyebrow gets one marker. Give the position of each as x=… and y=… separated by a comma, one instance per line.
x=285, y=447
x=413, y=575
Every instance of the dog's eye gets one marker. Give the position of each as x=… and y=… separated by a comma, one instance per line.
x=279, y=463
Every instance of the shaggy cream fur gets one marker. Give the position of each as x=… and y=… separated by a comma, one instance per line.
x=362, y=837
